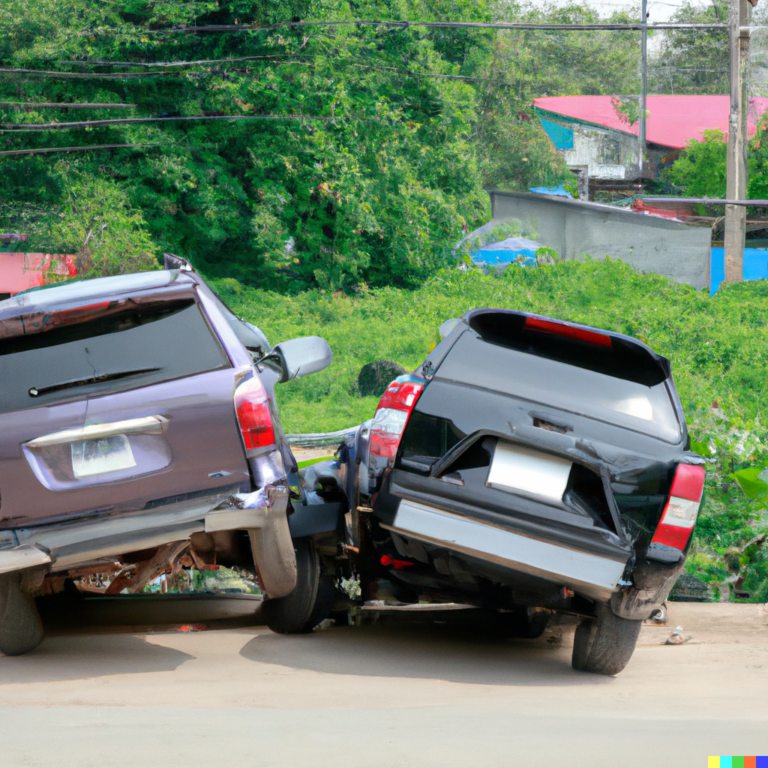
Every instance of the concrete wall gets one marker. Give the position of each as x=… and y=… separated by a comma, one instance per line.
x=607, y=154
x=576, y=229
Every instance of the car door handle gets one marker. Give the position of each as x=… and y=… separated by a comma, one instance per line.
x=146, y=425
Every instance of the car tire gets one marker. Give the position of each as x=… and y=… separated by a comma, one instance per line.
x=312, y=598
x=21, y=629
x=605, y=643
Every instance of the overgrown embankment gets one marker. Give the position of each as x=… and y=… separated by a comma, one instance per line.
x=718, y=347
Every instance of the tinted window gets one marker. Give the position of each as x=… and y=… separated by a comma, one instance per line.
x=542, y=381
x=119, y=348
x=609, y=355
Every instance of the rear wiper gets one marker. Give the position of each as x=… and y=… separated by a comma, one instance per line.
x=35, y=392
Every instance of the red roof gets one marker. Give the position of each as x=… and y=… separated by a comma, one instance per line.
x=672, y=120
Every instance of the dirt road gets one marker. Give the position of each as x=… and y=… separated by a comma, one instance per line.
x=387, y=696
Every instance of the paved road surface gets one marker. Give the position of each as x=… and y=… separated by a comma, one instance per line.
x=387, y=696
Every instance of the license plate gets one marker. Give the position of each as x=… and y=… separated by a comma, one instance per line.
x=528, y=472
x=103, y=454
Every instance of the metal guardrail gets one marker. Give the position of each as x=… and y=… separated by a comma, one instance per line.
x=320, y=438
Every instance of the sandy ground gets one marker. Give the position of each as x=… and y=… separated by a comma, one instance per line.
x=387, y=696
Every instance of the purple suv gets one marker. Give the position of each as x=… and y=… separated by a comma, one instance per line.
x=137, y=415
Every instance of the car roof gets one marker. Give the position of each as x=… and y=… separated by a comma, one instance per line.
x=87, y=290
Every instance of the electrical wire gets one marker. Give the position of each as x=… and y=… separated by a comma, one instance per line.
x=135, y=120
x=24, y=106
x=49, y=150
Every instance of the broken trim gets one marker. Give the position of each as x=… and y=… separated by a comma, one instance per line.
x=22, y=557
x=147, y=425
x=592, y=576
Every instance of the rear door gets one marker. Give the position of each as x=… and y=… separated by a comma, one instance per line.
x=528, y=419
x=119, y=404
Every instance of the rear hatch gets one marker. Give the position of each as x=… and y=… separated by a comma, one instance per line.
x=112, y=400
x=555, y=430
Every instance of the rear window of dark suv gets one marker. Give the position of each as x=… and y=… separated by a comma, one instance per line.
x=605, y=377
x=102, y=347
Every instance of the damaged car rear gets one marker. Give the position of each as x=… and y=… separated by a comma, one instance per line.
x=138, y=427
x=530, y=466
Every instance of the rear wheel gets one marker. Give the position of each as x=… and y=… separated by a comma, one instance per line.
x=312, y=598
x=20, y=627
x=605, y=644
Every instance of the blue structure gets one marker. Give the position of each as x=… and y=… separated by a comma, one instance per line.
x=560, y=136
x=755, y=266
x=507, y=251
x=556, y=191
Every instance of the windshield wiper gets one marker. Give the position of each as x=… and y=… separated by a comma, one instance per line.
x=35, y=392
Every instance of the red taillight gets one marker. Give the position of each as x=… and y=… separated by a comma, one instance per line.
x=253, y=416
x=682, y=509
x=568, y=331
x=392, y=415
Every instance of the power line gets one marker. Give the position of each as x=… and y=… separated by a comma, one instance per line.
x=48, y=150
x=134, y=120
x=168, y=64
x=84, y=75
x=547, y=27
x=403, y=25
x=21, y=106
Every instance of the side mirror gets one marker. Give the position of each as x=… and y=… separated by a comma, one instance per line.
x=300, y=357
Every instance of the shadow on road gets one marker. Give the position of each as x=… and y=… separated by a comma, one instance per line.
x=61, y=659
x=435, y=652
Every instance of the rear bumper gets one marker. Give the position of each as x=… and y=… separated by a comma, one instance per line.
x=592, y=575
x=65, y=545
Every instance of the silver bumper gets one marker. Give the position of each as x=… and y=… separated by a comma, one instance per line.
x=590, y=575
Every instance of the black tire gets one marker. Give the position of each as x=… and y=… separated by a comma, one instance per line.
x=605, y=644
x=21, y=629
x=312, y=598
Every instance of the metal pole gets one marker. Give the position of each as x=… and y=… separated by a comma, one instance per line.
x=736, y=168
x=644, y=87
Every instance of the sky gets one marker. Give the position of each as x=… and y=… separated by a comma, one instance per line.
x=658, y=10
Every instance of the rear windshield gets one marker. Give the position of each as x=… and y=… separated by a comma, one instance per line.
x=573, y=345
x=104, y=348
x=565, y=385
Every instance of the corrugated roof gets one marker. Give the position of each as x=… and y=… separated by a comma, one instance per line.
x=672, y=120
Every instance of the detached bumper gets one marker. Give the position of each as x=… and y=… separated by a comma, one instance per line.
x=591, y=575
x=652, y=583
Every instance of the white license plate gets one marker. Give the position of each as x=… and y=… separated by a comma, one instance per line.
x=100, y=455
x=531, y=473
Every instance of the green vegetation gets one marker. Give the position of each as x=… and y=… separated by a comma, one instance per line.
x=365, y=152
x=718, y=347
x=700, y=169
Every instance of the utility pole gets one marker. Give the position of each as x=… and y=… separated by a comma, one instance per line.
x=644, y=87
x=736, y=168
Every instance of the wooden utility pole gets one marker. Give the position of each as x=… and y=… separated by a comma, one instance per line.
x=644, y=86
x=736, y=169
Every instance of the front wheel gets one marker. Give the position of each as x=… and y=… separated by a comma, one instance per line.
x=604, y=644
x=312, y=598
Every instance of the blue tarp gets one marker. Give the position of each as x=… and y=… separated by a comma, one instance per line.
x=560, y=136
x=556, y=191
x=755, y=266
x=507, y=251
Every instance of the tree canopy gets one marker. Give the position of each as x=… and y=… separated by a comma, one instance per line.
x=281, y=155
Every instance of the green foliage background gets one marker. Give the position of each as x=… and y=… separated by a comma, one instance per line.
x=379, y=144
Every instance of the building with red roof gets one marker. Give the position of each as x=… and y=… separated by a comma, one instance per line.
x=20, y=271
x=597, y=139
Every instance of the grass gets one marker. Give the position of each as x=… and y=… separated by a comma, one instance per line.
x=718, y=347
